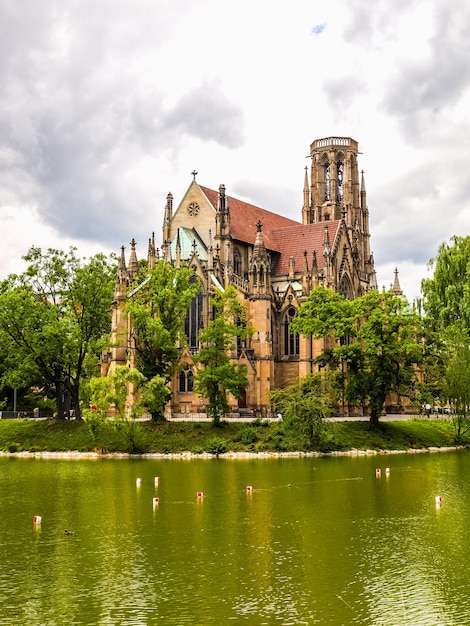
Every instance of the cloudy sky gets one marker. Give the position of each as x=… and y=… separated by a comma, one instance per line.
x=107, y=105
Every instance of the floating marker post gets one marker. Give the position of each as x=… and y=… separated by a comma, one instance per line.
x=378, y=473
x=200, y=495
x=138, y=482
x=249, y=489
x=157, y=481
x=438, y=501
x=387, y=471
x=37, y=519
x=156, y=502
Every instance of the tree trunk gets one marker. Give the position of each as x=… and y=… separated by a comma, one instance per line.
x=59, y=399
x=374, y=418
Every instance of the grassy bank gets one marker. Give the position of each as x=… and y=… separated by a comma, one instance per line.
x=198, y=438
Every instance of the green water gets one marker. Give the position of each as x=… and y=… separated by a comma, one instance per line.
x=318, y=541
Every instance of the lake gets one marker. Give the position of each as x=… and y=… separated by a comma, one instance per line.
x=315, y=541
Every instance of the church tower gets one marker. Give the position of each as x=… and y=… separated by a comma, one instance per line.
x=338, y=192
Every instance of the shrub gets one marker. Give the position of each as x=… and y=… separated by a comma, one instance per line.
x=216, y=445
x=247, y=435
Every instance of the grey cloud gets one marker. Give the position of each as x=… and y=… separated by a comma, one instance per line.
x=407, y=214
x=374, y=23
x=76, y=116
x=207, y=114
x=423, y=88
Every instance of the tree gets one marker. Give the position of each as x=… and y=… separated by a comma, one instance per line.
x=305, y=404
x=455, y=388
x=376, y=336
x=219, y=374
x=447, y=308
x=447, y=293
x=155, y=394
x=52, y=319
x=111, y=393
x=158, y=306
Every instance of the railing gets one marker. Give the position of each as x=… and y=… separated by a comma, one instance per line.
x=332, y=141
x=10, y=415
x=238, y=281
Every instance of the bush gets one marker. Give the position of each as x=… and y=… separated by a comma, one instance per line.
x=247, y=435
x=216, y=445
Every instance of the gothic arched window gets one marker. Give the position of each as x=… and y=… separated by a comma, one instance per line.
x=186, y=380
x=345, y=288
x=291, y=339
x=194, y=320
x=339, y=178
x=327, y=180
x=237, y=262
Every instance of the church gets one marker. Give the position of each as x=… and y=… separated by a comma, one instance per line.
x=273, y=262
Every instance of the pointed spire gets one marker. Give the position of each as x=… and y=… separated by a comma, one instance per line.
x=315, y=262
x=306, y=217
x=210, y=258
x=396, y=289
x=178, y=249
x=122, y=260
x=326, y=242
x=259, y=249
x=168, y=216
x=133, y=266
x=363, y=191
x=151, y=257
x=121, y=276
x=221, y=199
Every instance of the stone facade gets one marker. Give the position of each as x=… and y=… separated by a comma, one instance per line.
x=273, y=261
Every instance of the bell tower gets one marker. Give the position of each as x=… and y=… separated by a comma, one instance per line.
x=334, y=186
x=338, y=192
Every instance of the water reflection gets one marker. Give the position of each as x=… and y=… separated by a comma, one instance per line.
x=318, y=541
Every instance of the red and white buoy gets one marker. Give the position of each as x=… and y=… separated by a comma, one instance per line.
x=378, y=473
x=138, y=482
x=157, y=481
x=249, y=489
x=200, y=495
x=438, y=501
x=37, y=519
x=156, y=501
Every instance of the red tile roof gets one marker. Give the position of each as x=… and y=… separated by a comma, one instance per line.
x=281, y=235
x=294, y=240
x=245, y=216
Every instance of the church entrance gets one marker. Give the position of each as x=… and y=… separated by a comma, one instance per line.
x=242, y=400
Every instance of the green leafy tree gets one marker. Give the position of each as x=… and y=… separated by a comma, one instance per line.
x=219, y=374
x=447, y=307
x=455, y=387
x=109, y=395
x=305, y=404
x=52, y=319
x=447, y=293
x=377, y=337
x=155, y=394
x=158, y=306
